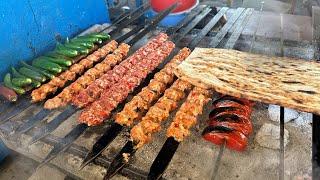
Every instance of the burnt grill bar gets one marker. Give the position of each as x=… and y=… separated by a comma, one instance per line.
x=239, y=20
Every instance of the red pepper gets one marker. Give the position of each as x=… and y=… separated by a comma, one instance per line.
x=241, y=113
x=230, y=123
x=234, y=140
x=241, y=101
x=245, y=129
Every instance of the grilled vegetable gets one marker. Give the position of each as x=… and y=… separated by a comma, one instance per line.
x=8, y=83
x=64, y=68
x=87, y=39
x=102, y=36
x=81, y=49
x=50, y=66
x=16, y=74
x=219, y=134
x=21, y=82
x=35, y=84
x=32, y=74
x=55, y=55
x=41, y=71
x=230, y=123
x=59, y=61
x=8, y=93
x=69, y=53
x=84, y=44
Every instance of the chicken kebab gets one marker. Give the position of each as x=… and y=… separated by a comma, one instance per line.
x=69, y=75
x=229, y=122
x=140, y=103
x=142, y=132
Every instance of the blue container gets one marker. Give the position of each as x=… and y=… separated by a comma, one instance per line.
x=170, y=20
x=29, y=28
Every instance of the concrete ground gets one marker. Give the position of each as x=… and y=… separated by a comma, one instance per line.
x=17, y=167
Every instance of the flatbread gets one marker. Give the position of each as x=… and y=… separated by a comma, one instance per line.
x=292, y=83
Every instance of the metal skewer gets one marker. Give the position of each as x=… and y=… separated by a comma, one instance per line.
x=113, y=169
x=169, y=148
x=76, y=132
x=112, y=132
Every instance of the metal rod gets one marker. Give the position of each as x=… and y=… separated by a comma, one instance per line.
x=208, y=27
x=281, y=152
x=171, y=30
x=32, y=121
x=154, y=22
x=224, y=30
x=52, y=125
x=191, y=25
x=129, y=20
x=315, y=146
x=218, y=161
x=20, y=107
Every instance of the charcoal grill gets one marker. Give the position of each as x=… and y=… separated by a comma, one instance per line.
x=23, y=121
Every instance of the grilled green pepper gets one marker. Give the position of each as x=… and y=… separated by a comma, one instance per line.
x=85, y=44
x=16, y=74
x=103, y=36
x=87, y=39
x=21, y=82
x=72, y=47
x=67, y=52
x=55, y=55
x=59, y=61
x=8, y=83
x=32, y=74
x=47, y=65
x=41, y=71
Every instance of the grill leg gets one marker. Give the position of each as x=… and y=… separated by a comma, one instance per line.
x=315, y=147
x=281, y=153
